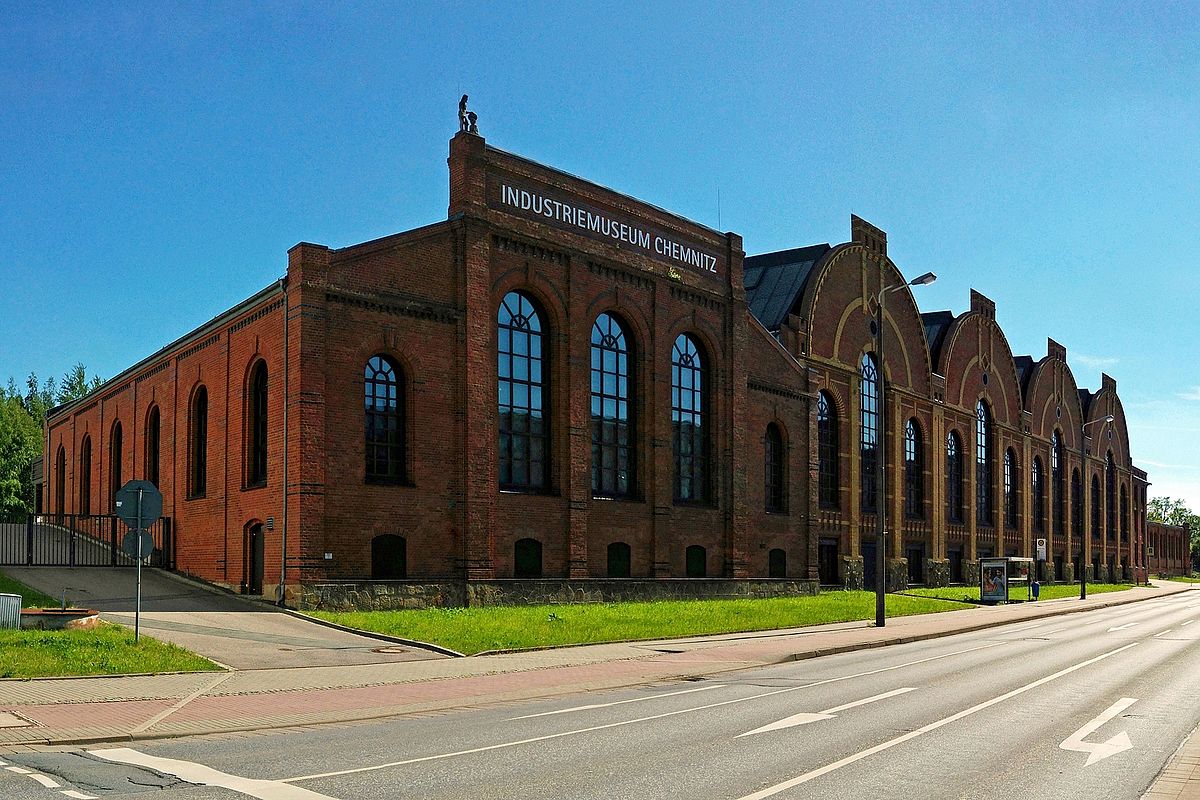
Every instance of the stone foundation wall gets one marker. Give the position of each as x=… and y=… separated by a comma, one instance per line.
x=852, y=572
x=897, y=573
x=937, y=572
x=970, y=572
x=391, y=595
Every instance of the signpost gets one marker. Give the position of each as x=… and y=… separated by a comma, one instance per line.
x=139, y=505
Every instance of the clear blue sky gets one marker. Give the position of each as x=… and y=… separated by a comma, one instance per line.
x=157, y=160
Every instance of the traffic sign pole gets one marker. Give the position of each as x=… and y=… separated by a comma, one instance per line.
x=137, y=614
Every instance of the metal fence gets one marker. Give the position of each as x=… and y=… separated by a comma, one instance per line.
x=76, y=540
x=10, y=611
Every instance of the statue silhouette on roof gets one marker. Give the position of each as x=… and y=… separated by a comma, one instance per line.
x=468, y=121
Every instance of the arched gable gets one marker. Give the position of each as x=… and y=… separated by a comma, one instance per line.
x=1052, y=398
x=977, y=363
x=1109, y=435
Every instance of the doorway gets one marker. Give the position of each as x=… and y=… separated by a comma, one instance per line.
x=254, y=559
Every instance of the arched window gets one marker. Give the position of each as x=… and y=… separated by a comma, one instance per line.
x=524, y=422
x=1110, y=494
x=868, y=440
x=198, y=444
x=696, y=561
x=983, y=465
x=954, y=478
x=256, y=426
x=689, y=421
x=620, y=557
x=1097, y=506
x=60, y=481
x=1037, y=485
x=389, y=557
x=527, y=558
x=153, y=445
x=384, y=430
x=613, y=473
x=85, y=476
x=1076, y=503
x=777, y=563
x=1011, y=482
x=115, y=446
x=827, y=451
x=774, y=491
x=1124, y=515
x=914, y=472
x=1057, y=484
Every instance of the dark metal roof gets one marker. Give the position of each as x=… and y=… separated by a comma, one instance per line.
x=936, y=323
x=774, y=281
x=1025, y=366
x=1085, y=400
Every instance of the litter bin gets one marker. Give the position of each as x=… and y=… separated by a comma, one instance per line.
x=10, y=611
x=1036, y=588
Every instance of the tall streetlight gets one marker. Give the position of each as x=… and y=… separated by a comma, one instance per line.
x=1083, y=490
x=881, y=452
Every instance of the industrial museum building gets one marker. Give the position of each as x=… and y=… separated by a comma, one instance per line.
x=559, y=388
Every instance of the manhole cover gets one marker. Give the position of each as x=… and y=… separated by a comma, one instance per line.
x=10, y=720
x=389, y=650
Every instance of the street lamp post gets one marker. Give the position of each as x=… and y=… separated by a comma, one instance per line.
x=881, y=452
x=1083, y=534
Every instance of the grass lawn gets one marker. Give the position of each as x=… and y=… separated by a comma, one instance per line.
x=1185, y=579
x=31, y=598
x=107, y=650
x=1050, y=591
x=474, y=630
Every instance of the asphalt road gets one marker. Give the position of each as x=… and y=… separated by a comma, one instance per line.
x=1087, y=705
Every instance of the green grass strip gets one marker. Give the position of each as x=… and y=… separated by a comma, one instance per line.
x=1184, y=579
x=106, y=650
x=31, y=598
x=1050, y=591
x=474, y=630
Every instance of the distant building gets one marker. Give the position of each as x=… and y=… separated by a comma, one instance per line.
x=560, y=382
x=1168, y=549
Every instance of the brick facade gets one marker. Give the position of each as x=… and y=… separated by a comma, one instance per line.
x=427, y=300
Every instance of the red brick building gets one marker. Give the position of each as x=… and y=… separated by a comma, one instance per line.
x=1168, y=549
x=560, y=382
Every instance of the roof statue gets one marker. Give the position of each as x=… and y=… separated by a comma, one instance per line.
x=467, y=120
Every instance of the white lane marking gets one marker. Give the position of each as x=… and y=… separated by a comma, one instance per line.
x=19, y=770
x=207, y=776
x=616, y=703
x=44, y=781
x=1123, y=627
x=830, y=713
x=1163, y=633
x=1100, y=750
x=816, y=773
x=79, y=795
x=160, y=716
x=1189, y=622
x=609, y=725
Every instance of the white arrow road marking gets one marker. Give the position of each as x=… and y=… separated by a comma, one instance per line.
x=1100, y=750
x=207, y=776
x=829, y=713
x=617, y=702
x=1123, y=627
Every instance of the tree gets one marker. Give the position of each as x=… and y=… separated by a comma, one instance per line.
x=75, y=384
x=20, y=445
x=1174, y=511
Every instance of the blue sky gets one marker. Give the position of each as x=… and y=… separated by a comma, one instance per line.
x=157, y=160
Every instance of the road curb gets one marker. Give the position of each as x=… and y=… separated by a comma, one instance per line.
x=383, y=637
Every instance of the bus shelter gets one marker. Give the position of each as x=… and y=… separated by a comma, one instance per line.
x=998, y=576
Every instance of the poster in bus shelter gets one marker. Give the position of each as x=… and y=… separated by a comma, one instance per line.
x=993, y=580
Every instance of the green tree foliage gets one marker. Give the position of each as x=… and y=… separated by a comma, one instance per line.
x=22, y=418
x=1173, y=511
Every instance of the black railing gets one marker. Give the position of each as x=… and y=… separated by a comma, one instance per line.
x=77, y=540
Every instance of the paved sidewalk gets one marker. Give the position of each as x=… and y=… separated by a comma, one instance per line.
x=62, y=711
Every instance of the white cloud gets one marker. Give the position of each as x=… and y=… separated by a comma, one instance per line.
x=1095, y=362
x=1191, y=394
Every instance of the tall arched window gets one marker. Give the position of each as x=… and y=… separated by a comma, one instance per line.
x=868, y=427
x=85, y=476
x=1076, y=503
x=613, y=473
x=1057, y=484
x=198, y=444
x=384, y=429
x=1124, y=515
x=914, y=472
x=827, y=451
x=1110, y=494
x=774, y=491
x=1037, y=485
x=60, y=481
x=983, y=465
x=1011, y=482
x=524, y=422
x=115, y=445
x=954, y=478
x=153, y=445
x=256, y=426
x=1097, y=507
x=689, y=421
